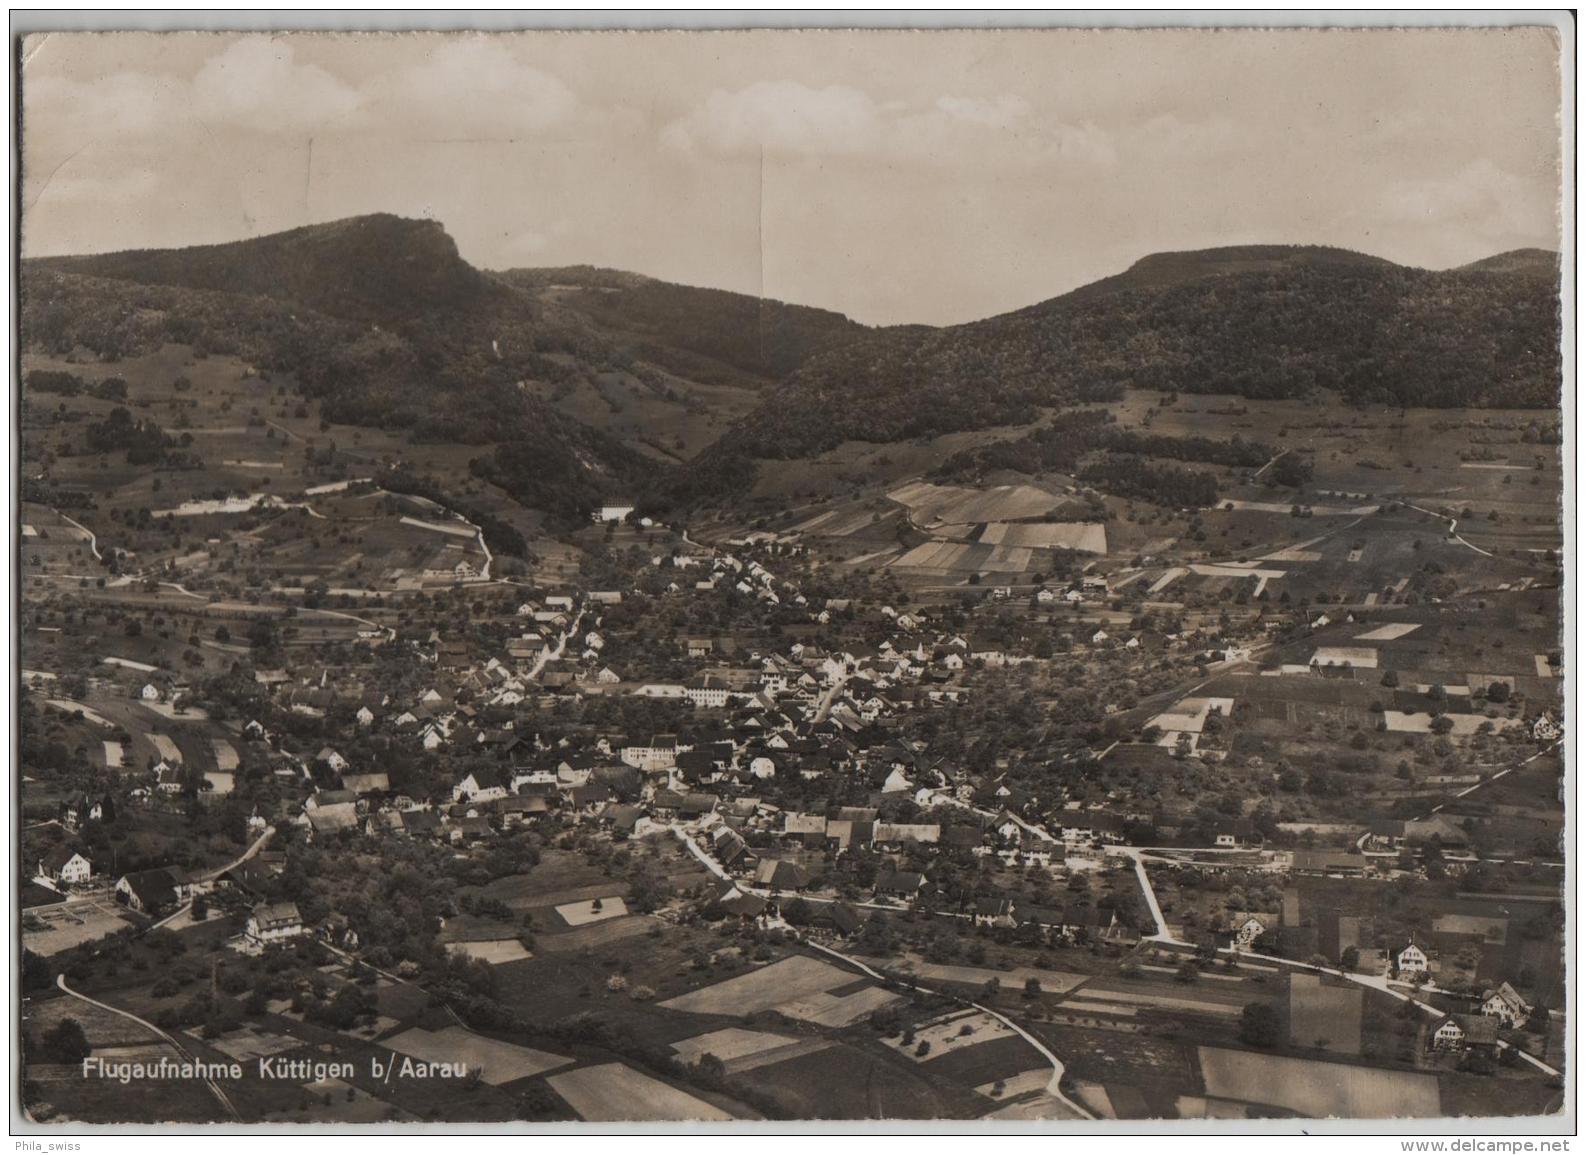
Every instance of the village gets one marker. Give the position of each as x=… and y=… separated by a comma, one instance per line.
x=802, y=756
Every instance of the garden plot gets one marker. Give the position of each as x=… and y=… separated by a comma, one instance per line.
x=493, y=951
x=729, y=1043
x=168, y=750
x=1020, y=1084
x=1388, y=633
x=1360, y=657
x=1082, y=537
x=114, y=755
x=67, y=706
x=1464, y=725
x=496, y=1062
x=952, y=1033
x=247, y=1044
x=72, y=924
x=1167, y=579
x=1189, y=715
x=829, y=1010
x=220, y=782
x=225, y=755
x=740, y=1050
x=955, y=505
x=595, y=910
x=104, y=1028
x=1318, y=1090
x=614, y=1093
x=795, y=977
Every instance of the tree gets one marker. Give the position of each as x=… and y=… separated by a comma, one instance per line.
x=66, y=1042
x=1259, y=1025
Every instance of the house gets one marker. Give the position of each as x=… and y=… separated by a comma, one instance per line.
x=741, y=905
x=365, y=716
x=901, y=883
x=1411, y=959
x=482, y=785
x=328, y=818
x=779, y=874
x=150, y=693
x=1505, y=1005
x=377, y=782
x=612, y=511
x=63, y=865
x=331, y=758
x=273, y=923
x=147, y=891
x=80, y=809
x=1246, y=927
x=1458, y=1032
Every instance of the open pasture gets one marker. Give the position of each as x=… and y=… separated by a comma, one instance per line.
x=956, y=505
x=497, y=1062
x=1317, y=1089
x=614, y=1093
x=788, y=981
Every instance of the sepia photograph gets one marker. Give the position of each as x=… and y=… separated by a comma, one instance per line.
x=738, y=579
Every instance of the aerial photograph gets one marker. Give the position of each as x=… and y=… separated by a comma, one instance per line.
x=724, y=580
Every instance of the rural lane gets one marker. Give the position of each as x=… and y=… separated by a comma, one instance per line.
x=220, y=1095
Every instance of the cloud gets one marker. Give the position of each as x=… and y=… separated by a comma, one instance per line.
x=789, y=119
x=257, y=83
x=1481, y=196
x=780, y=116
x=470, y=87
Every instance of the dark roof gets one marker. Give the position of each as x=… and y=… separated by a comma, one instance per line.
x=153, y=888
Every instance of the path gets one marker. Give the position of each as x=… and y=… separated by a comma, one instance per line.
x=214, y=1087
x=93, y=542
x=1489, y=781
x=1453, y=523
x=551, y=653
x=1053, y=1086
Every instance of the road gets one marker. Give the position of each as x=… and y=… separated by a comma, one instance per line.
x=1375, y=982
x=257, y=845
x=551, y=653
x=1053, y=1086
x=220, y=1095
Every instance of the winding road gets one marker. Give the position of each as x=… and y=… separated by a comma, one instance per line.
x=215, y=1089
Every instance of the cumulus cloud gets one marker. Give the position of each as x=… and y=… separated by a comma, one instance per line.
x=1480, y=196
x=257, y=83
x=790, y=119
x=471, y=87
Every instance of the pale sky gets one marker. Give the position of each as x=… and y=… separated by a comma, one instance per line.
x=895, y=176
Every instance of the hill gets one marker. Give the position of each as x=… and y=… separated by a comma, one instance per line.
x=1531, y=262
x=708, y=335
x=377, y=317
x=1259, y=322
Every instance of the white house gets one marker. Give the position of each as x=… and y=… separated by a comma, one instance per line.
x=613, y=511
x=150, y=693
x=1505, y=1005
x=479, y=786
x=65, y=865
x=365, y=716
x=275, y=922
x=1412, y=960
